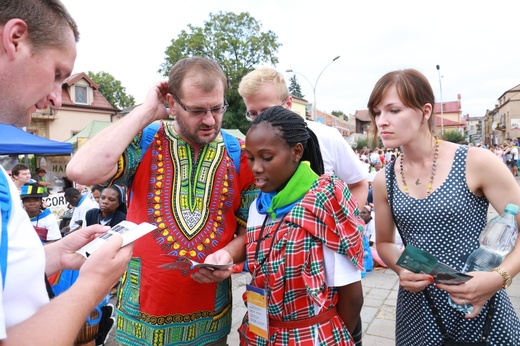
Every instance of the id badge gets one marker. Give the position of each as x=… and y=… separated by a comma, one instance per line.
x=257, y=311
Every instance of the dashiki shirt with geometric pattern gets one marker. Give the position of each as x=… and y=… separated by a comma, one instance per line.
x=196, y=205
x=294, y=274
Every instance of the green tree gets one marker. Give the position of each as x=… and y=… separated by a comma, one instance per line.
x=361, y=143
x=295, y=87
x=453, y=136
x=369, y=142
x=112, y=89
x=237, y=43
x=339, y=114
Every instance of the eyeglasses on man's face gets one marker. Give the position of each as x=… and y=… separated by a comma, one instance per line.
x=201, y=113
x=251, y=116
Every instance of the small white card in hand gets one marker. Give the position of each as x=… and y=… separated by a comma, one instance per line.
x=129, y=231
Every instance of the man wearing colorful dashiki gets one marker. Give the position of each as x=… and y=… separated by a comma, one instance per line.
x=187, y=183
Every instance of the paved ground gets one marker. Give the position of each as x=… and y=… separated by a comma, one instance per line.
x=378, y=313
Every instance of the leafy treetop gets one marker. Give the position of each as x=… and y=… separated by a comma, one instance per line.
x=237, y=43
x=112, y=89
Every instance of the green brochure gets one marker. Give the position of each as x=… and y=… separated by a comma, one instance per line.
x=420, y=261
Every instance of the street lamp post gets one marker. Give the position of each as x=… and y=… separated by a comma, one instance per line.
x=313, y=86
x=442, y=110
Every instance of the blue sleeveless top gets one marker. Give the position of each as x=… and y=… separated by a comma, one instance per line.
x=447, y=224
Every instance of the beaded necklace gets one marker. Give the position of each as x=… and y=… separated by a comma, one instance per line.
x=434, y=169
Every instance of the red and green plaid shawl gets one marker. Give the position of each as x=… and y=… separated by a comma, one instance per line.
x=294, y=273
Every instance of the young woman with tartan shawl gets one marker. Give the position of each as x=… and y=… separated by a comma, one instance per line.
x=303, y=239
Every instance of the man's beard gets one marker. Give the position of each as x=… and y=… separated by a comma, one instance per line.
x=190, y=135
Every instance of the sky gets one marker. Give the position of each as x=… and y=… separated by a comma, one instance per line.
x=475, y=43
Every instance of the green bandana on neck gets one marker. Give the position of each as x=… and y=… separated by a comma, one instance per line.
x=293, y=192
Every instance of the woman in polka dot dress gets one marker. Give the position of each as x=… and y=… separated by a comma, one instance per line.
x=437, y=194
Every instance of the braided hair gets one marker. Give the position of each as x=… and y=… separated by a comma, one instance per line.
x=292, y=128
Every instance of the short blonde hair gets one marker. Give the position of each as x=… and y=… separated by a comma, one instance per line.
x=254, y=80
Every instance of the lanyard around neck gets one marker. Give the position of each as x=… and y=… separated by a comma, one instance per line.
x=259, y=241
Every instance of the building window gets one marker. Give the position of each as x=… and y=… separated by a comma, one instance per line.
x=81, y=94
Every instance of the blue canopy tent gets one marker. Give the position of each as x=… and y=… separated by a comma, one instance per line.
x=16, y=141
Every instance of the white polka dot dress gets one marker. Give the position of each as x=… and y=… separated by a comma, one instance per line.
x=447, y=224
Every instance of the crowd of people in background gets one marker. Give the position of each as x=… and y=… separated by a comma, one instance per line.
x=373, y=160
x=508, y=153
x=109, y=208
x=376, y=158
x=87, y=206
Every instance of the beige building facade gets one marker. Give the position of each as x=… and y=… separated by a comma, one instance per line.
x=503, y=122
x=299, y=106
x=341, y=123
x=82, y=103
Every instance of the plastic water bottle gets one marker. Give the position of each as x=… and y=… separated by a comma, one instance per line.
x=496, y=241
